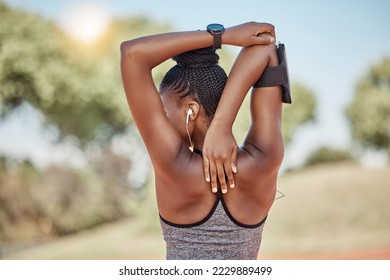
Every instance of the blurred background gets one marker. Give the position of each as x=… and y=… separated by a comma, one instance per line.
x=76, y=181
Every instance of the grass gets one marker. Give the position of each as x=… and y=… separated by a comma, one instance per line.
x=331, y=208
x=328, y=209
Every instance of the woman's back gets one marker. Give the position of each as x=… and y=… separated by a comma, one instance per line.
x=199, y=224
x=184, y=197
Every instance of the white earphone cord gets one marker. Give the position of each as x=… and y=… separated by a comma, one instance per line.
x=189, y=112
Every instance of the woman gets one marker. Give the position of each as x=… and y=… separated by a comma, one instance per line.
x=198, y=223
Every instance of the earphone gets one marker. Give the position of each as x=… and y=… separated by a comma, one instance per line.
x=189, y=113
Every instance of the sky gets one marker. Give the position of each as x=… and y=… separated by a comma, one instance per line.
x=330, y=46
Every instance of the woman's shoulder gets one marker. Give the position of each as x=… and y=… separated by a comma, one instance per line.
x=254, y=164
x=184, y=174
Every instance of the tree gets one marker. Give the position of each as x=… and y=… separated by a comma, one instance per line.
x=76, y=87
x=369, y=111
x=301, y=111
x=328, y=155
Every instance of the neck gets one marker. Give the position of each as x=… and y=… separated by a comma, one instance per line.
x=198, y=137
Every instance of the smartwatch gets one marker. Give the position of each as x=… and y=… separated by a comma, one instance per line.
x=216, y=30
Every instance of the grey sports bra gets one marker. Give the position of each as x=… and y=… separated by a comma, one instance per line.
x=217, y=236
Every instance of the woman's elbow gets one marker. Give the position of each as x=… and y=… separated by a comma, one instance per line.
x=133, y=53
x=127, y=49
x=276, y=156
x=272, y=158
x=132, y=49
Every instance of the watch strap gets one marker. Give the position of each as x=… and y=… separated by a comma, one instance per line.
x=217, y=41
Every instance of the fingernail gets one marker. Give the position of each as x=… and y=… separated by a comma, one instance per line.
x=215, y=190
x=234, y=169
x=232, y=186
x=224, y=191
x=207, y=179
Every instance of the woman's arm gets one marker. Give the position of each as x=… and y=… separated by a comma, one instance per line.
x=138, y=58
x=264, y=142
x=141, y=55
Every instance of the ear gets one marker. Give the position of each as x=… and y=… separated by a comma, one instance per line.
x=194, y=106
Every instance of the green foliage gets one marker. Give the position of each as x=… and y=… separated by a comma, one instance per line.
x=61, y=200
x=16, y=204
x=301, y=111
x=327, y=155
x=369, y=111
x=76, y=87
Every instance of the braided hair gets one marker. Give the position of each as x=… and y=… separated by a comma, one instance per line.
x=197, y=74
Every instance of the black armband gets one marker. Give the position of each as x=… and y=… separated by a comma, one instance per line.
x=277, y=75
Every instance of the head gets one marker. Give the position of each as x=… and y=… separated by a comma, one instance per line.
x=190, y=91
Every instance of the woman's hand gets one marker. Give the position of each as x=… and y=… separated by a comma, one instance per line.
x=248, y=34
x=219, y=157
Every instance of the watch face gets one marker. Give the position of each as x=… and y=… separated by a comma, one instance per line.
x=215, y=27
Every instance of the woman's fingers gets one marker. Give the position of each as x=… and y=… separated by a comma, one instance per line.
x=233, y=160
x=263, y=39
x=219, y=163
x=266, y=28
x=213, y=177
x=206, y=169
x=218, y=172
x=221, y=177
x=215, y=171
x=229, y=174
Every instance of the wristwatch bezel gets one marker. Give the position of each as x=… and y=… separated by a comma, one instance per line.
x=216, y=29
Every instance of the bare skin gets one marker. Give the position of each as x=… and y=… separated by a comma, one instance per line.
x=183, y=195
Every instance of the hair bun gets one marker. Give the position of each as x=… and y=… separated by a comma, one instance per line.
x=199, y=58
